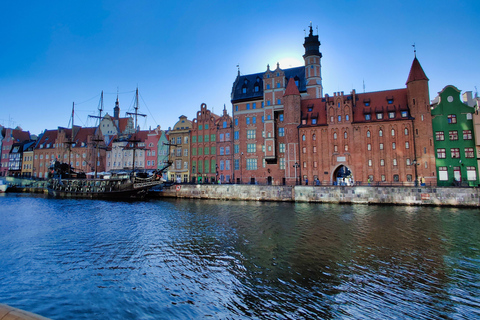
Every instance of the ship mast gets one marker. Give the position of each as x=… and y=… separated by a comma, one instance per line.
x=134, y=140
x=97, y=138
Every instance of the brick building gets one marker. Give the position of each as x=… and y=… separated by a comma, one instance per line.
x=225, y=148
x=287, y=131
x=204, y=146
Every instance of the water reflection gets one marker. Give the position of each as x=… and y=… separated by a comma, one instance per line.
x=80, y=259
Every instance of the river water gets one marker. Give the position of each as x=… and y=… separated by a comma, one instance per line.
x=190, y=259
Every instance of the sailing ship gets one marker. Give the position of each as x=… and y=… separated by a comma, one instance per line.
x=65, y=182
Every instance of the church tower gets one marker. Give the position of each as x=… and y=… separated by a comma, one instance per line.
x=116, y=110
x=313, y=67
x=419, y=106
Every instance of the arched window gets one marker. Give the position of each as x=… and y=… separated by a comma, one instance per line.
x=303, y=137
x=393, y=132
x=406, y=131
x=345, y=134
x=314, y=137
x=380, y=133
x=368, y=134
x=335, y=136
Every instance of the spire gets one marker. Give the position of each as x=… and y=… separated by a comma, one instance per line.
x=116, y=110
x=311, y=44
x=416, y=72
x=292, y=88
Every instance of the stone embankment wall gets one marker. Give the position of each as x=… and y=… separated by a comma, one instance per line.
x=9, y=313
x=434, y=196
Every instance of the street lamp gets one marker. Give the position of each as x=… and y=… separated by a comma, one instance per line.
x=416, y=175
x=296, y=165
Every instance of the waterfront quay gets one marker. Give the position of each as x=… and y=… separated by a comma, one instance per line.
x=402, y=195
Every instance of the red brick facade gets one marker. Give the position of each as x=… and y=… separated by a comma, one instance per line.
x=290, y=133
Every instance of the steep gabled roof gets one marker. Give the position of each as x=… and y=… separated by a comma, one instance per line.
x=292, y=88
x=416, y=72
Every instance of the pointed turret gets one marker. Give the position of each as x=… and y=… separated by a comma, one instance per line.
x=416, y=72
x=292, y=88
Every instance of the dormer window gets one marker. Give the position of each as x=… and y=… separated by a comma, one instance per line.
x=310, y=109
x=244, y=90
x=278, y=74
x=389, y=101
x=379, y=116
x=257, y=88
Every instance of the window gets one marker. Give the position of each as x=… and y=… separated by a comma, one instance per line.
x=406, y=131
x=455, y=153
x=236, y=148
x=407, y=145
x=227, y=150
x=369, y=147
x=251, y=134
x=247, y=120
x=279, y=101
x=254, y=105
x=382, y=162
x=369, y=163
x=303, y=137
x=469, y=153
x=268, y=102
x=404, y=114
x=396, y=178
x=467, y=134
x=280, y=117
x=367, y=117
x=442, y=173
x=236, y=108
x=236, y=121
x=393, y=145
x=408, y=162
x=439, y=136
x=391, y=115
x=236, y=135
x=380, y=133
x=248, y=106
x=244, y=90
x=227, y=136
x=251, y=147
x=222, y=137
x=452, y=118
x=379, y=116
x=281, y=132
x=314, y=121
x=346, y=147
x=394, y=162
x=469, y=116
x=453, y=135
x=282, y=147
x=393, y=132
x=335, y=148
x=314, y=137
x=347, y=117
x=381, y=146
x=207, y=138
x=251, y=164
x=339, y=118
x=334, y=136
x=345, y=135
x=314, y=149
x=222, y=151
x=368, y=134
x=471, y=172
x=383, y=177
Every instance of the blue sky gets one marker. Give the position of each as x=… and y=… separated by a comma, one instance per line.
x=184, y=53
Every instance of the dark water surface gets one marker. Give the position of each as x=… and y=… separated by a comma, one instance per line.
x=185, y=259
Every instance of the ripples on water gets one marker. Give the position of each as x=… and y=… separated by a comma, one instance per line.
x=183, y=259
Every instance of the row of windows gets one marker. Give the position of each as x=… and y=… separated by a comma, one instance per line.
x=452, y=118
x=453, y=135
x=202, y=151
x=204, y=166
x=455, y=153
x=457, y=173
x=394, y=146
x=391, y=115
x=206, y=138
x=125, y=163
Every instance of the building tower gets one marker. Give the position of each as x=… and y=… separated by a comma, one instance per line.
x=292, y=113
x=116, y=110
x=313, y=75
x=419, y=106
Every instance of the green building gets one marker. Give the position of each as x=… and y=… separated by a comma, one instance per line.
x=454, y=142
